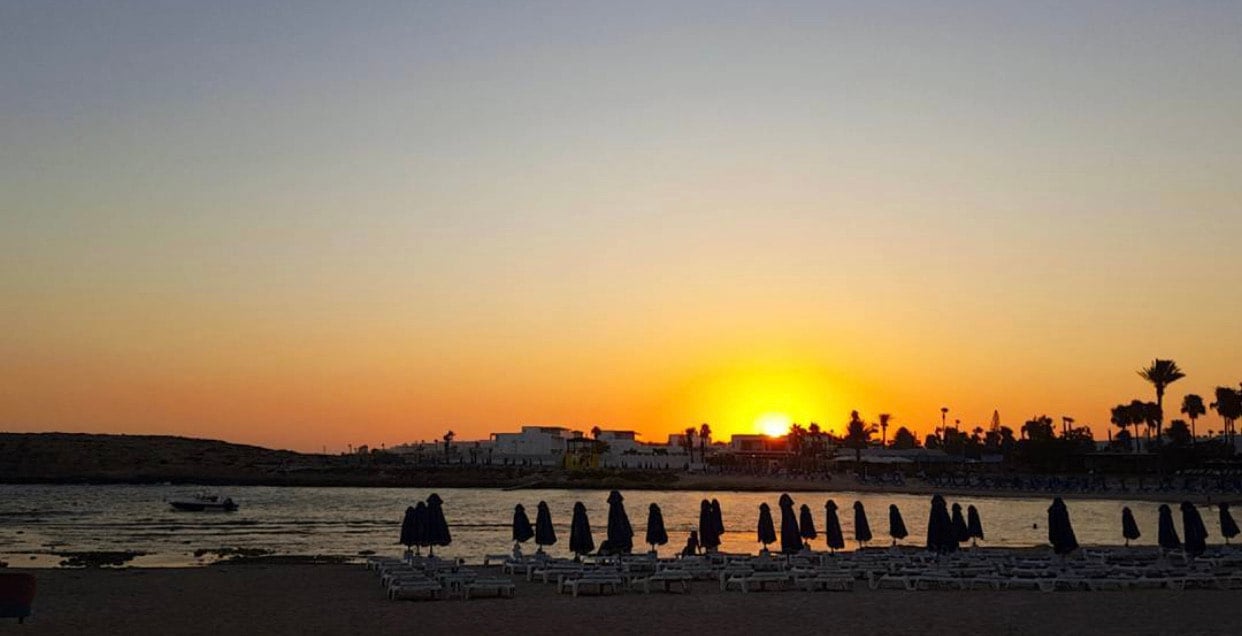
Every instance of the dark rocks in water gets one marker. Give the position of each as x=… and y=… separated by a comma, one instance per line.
x=97, y=559
x=285, y=559
x=232, y=553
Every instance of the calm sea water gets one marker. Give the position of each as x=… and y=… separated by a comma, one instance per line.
x=37, y=521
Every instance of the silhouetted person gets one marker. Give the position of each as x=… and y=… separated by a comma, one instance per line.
x=692, y=544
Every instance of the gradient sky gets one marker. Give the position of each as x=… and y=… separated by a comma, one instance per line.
x=314, y=224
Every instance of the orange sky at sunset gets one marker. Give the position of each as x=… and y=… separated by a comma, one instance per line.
x=308, y=229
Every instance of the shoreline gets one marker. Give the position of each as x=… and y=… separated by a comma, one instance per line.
x=679, y=482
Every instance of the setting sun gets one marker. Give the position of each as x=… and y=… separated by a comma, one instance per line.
x=773, y=424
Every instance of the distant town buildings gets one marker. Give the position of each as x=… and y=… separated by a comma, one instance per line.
x=558, y=446
x=561, y=446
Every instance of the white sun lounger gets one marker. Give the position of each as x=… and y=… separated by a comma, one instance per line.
x=826, y=582
x=414, y=588
x=611, y=582
x=499, y=586
x=758, y=579
x=665, y=578
x=502, y=558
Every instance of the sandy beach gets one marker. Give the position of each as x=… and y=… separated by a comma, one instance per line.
x=347, y=599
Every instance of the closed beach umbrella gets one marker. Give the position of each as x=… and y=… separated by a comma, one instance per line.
x=862, y=529
x=766, y=532
x=580, y=540
x=437, y=526
x=420, y=530
x=1166, y=533
x=961, y=532
x=896, y=525
x=656, y=535
x=620, y=533
x=522, y=532
x=718, y=518
x=806, y=524
x=1228, y=527
x=1060, y=530
x=974, y=526
x=1129, y=527
x=1193, y=529
x=940, y=527
x=707, y=527
x=407, y=528
x=832, y=529
x=791, y=538
x=545, y=534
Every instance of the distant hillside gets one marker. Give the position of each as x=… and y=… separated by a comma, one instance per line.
x=32, y=458
x=57, y=457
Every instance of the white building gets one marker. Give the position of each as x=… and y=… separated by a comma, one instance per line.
x=547, y=446
x=542, y=444
x=626, y=452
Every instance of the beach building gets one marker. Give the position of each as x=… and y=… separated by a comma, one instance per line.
x=543, y=445
x=624, y=450
x=748, y=444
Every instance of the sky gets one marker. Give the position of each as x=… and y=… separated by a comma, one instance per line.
x=314, y=224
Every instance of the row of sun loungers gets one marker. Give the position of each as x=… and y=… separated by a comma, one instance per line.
x=415, y=578
x=1092, y=570
x=911, y=570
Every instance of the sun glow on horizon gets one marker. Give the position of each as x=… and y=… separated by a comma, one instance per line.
x=773, y=424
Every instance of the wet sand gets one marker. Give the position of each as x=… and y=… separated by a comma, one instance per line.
x=347, y=599
x=847, y=483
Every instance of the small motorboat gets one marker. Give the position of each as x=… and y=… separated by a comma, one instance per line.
x=204, y=503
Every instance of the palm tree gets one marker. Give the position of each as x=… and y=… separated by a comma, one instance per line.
x=1138, y=415
x=884, y=418
x=1038, y=428
x=1192, y=407
x=795, y=437
x=944, y=411
x=815, y=434
x=595, y=431
x=705, y=436
x=687, y=440
x=448, y=439
x=1007, y=440
x=1161, y=374
x=1121, y=418
x=1228, y=405
x=1148, y=414
x=857, y=434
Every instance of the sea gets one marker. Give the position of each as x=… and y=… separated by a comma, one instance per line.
x=40, y=524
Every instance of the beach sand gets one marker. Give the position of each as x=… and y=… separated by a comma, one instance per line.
x=347, y=599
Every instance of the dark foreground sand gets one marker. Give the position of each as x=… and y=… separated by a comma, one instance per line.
x=347, y=599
